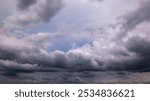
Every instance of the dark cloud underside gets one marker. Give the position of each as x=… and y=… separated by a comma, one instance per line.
x=24, y=4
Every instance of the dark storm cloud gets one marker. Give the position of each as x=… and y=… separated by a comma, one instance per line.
x=135, y=57
x=136, y=48
x=23, y=4
x=21, y=55
x=141, y=47
x=136, y=44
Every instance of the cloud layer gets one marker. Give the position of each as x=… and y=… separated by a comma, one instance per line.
x=122, y=44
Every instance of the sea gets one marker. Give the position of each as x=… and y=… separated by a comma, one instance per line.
x=75, y=77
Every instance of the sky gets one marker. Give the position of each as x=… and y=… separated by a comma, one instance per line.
x=74, y=35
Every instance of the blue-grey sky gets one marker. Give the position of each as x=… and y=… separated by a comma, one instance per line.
x=74, y=34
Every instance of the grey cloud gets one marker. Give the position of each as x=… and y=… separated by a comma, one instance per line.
x=41, y=11
x=24, y=4
x=139, y=15
x=137, y=44
x=136, y=54
x=96, y=0
x=44, y=10
x=25, y=52
x=141, y=47
x=21, y=53
x=132, y=19
x=22, y=56
x=99, y=0
x=48, y=9
x=12, y=65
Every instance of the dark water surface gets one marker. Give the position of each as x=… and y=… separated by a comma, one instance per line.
x=88, y=77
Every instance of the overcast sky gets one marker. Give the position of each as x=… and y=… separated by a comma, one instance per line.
x=74, y=34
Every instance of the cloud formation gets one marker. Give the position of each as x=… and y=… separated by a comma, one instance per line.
x=31, y=52
x=39, y=11
x=23, y=4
